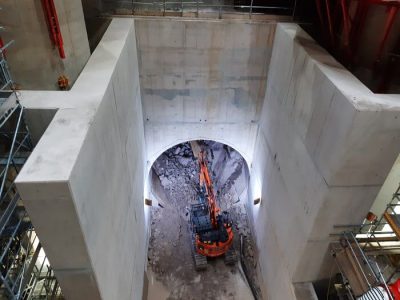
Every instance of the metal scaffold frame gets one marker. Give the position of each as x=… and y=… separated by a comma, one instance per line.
x=360, y=274
x=382, y=237
x=375, y=246
x=25, y=272
x=5, y=77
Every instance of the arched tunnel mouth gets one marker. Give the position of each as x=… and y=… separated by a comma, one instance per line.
x=173, y=186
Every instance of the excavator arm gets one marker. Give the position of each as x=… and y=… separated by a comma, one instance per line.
x=205, y=180
x=212, y=231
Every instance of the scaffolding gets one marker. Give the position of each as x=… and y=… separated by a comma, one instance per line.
x=368, y=255
x=360, y=275
x=382, y=237
x=25, y=272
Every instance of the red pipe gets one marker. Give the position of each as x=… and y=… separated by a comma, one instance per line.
x=359, y=21
x=346, y=23
x=319, y=10
x=384, y=2
x=390, y=70
x=2, y=45
x=53, y=25
x=336, y=12
x=388, y=27
x=328, y=13
x=321, y=19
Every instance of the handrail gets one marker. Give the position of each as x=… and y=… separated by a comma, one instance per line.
x=139, y=8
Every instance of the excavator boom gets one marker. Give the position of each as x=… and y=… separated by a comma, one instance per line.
x=205, y=180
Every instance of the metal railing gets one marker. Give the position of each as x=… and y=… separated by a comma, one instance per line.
x=377, y=242
x=361, y=274
x=200, y=8
x=383, y=233
x=6, y=81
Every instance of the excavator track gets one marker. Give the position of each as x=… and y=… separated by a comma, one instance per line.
x=231, y=257
x=200, y=261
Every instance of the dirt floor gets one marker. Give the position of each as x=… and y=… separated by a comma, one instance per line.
x=170, y=262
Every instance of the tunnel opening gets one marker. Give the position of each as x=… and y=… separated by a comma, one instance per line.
x=173, y=186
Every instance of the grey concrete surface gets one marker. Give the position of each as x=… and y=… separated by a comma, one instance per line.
x=38, y=120
x=34, y=61
x=80, y=120
x=324, y=148
x=319, y=146
x=83, y=184
x=202, y=79
x=305, y=291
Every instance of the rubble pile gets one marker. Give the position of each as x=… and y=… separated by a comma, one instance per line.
x=176, y=183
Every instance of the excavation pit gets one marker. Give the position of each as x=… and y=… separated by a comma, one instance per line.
x=175, y=185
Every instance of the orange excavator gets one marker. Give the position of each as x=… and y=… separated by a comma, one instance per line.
x=212, y=234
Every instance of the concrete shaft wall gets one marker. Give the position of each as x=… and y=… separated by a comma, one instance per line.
x=202, y=80
x=83, y=185
x=35, y=63
x=324, y=147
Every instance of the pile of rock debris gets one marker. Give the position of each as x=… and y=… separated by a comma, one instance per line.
x=175, y=184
